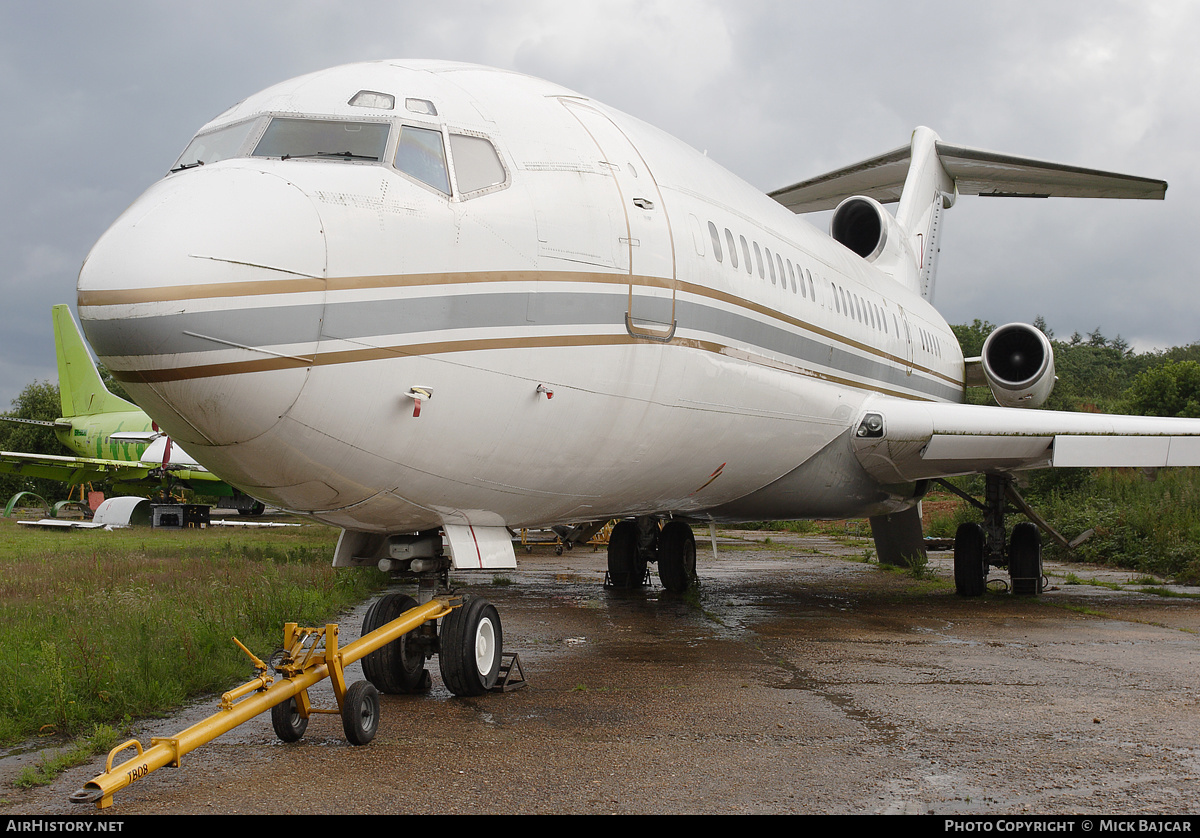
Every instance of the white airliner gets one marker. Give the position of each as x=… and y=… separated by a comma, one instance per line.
x=405, y=297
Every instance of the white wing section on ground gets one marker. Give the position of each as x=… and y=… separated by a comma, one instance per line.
x=922, y=440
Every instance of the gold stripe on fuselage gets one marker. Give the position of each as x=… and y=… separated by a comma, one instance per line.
x=262, y=288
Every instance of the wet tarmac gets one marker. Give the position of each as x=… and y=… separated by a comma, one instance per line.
x=798, y=681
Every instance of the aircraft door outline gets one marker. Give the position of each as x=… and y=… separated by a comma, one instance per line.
x=648, y=240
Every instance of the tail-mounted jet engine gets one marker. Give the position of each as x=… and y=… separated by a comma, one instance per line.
x=1018, y=362
x=864, y=226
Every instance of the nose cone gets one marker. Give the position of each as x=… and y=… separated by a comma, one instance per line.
x=205, y=300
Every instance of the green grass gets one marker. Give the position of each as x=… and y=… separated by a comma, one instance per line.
x=102, y=740
x=1146, y=526
x=1151, y=527
x=1073, y=579
x=97, y=627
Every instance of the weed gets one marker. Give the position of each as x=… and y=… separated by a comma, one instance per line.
x=1080, y=609
x=101, y=740
x=1072, y=579
x=1159, y=590
x=917, y=565
x=501, y=581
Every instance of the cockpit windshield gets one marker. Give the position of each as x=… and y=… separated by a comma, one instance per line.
x=289, y=138
x=215, y=145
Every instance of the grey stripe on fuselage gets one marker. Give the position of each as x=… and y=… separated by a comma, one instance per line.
x=368, y=320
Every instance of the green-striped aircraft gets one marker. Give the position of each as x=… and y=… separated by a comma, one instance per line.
x=109, y=437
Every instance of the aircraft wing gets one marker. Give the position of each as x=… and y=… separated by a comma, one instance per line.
x=921, y=440
x=74, y=470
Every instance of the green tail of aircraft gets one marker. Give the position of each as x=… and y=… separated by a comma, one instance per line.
x=80, y=388
x=90, y=413
x=91, y=418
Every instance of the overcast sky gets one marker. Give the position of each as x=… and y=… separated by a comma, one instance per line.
x=99, y=99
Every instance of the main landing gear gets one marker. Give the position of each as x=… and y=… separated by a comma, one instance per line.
x=976, y=547
x=634, y=543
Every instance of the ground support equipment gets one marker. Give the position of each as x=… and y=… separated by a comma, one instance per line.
x=311, y=655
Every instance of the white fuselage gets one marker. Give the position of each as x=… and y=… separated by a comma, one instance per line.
x=280, y=318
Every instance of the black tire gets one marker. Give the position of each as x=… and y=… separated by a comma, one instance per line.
x=253, y=512
x=970, y=573
x=1025, y=559
x=360, y=712
x=677, y=557
x=399, y=667
x=288, y=723
x=471, y=643
x=626, y=564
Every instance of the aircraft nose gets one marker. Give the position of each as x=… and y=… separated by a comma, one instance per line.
x=205, y=300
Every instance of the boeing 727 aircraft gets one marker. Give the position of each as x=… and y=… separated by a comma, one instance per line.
x=422, y=300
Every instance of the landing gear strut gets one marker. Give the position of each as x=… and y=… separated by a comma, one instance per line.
x=976, y=548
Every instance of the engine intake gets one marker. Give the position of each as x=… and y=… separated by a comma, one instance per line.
x=863, y=225
x=1018, y=362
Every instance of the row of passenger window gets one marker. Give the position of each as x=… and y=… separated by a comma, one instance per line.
x=798, y=279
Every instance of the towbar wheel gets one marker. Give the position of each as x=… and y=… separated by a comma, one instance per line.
x=360, y=712
x=288, y=723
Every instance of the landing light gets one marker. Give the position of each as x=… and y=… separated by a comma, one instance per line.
x=870, y=426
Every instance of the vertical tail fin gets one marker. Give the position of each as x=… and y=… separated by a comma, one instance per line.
x=928, y=189
x=80, y=388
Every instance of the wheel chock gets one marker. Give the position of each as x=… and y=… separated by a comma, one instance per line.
x=511, y=676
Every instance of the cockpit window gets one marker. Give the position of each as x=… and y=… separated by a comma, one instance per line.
x=422, y=106
x=420, y=154
x=476, y=163
x=289, y=138
x=373, y=99
x=215, y=145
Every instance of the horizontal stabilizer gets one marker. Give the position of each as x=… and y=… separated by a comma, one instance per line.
x=975, y=172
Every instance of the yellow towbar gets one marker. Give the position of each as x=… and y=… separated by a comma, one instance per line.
x=312, y=655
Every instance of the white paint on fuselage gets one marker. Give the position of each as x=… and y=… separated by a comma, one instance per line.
x=305, y=412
